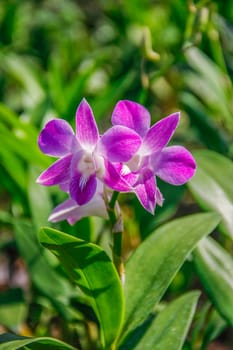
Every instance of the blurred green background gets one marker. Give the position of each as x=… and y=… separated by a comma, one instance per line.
x=168, y=55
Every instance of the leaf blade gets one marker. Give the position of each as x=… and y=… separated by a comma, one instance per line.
x=93, y=271
x=165, y=250
x=212, y=186
x=215, y=269
x=169, y=328
x=12, y=342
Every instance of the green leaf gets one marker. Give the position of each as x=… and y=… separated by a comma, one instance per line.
x=39, y=200
x=215, y=269
x=156, y=261
x=9, y=117
x=55, y=287
x=148, y=223
x=210, y=84
x=24, y=71
x=14, y=166
x=204, y=126
x=12, y=342
x=216, y=325
x=22, y=147
x=204, y=314
x=212, y=186
x=13, y=308
x=112, y=94
x=93, y=271
x=169, y=328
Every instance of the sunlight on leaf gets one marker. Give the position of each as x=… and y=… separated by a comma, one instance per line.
x=13, y=342
x=167, y=331
x=93, y=271
x=215, y=269
x=156, y=261
x=212, y=186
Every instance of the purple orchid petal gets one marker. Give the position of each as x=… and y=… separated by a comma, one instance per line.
x=57, y=138
x=114, y=179
x=159, y=134
x=82, y=186
x=146, y=191
x=176, y=165
x=119, y=144
x=65, y=187
x=63, y=211
x=129, y=176
x=133, y=115
x=72, y=212
x=96, y=207
x=86, y=128
x=57, y=173
x=92, y=208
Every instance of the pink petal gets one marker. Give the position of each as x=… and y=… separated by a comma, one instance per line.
x=146, y=191
x=57, y=138
x=86, y=128
x=63, y=211
x=176, y=165
x=72, y=212
x=114, y=179
x=119, y=144
x=65, y=187
x=57, y=173
x=129, y=176
x=96, y=207
x=160, y=134
x=133, y=115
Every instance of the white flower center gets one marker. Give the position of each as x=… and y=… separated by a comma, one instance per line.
x=90, y=164
x=135, y=162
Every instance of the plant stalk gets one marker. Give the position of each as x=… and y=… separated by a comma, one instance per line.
x=117, y=231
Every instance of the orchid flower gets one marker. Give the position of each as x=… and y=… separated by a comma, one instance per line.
x=173, y=164
x=85, y=156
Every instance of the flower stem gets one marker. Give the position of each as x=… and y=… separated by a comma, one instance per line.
x=117, y=251
x=117, y=228
x=113, y=199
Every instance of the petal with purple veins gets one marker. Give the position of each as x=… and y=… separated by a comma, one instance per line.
x=57, y=173
x=129, y=176
x=63, y=211
x=72, y=212
x=176, y=165
x=57, y=138
x=114, y=179
x=133, y=115
x=96, y=207
x=159, y=134
x=119, y=144
x=146, y=191
x=65, y=186
x=86, y=128
x=82, y=187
